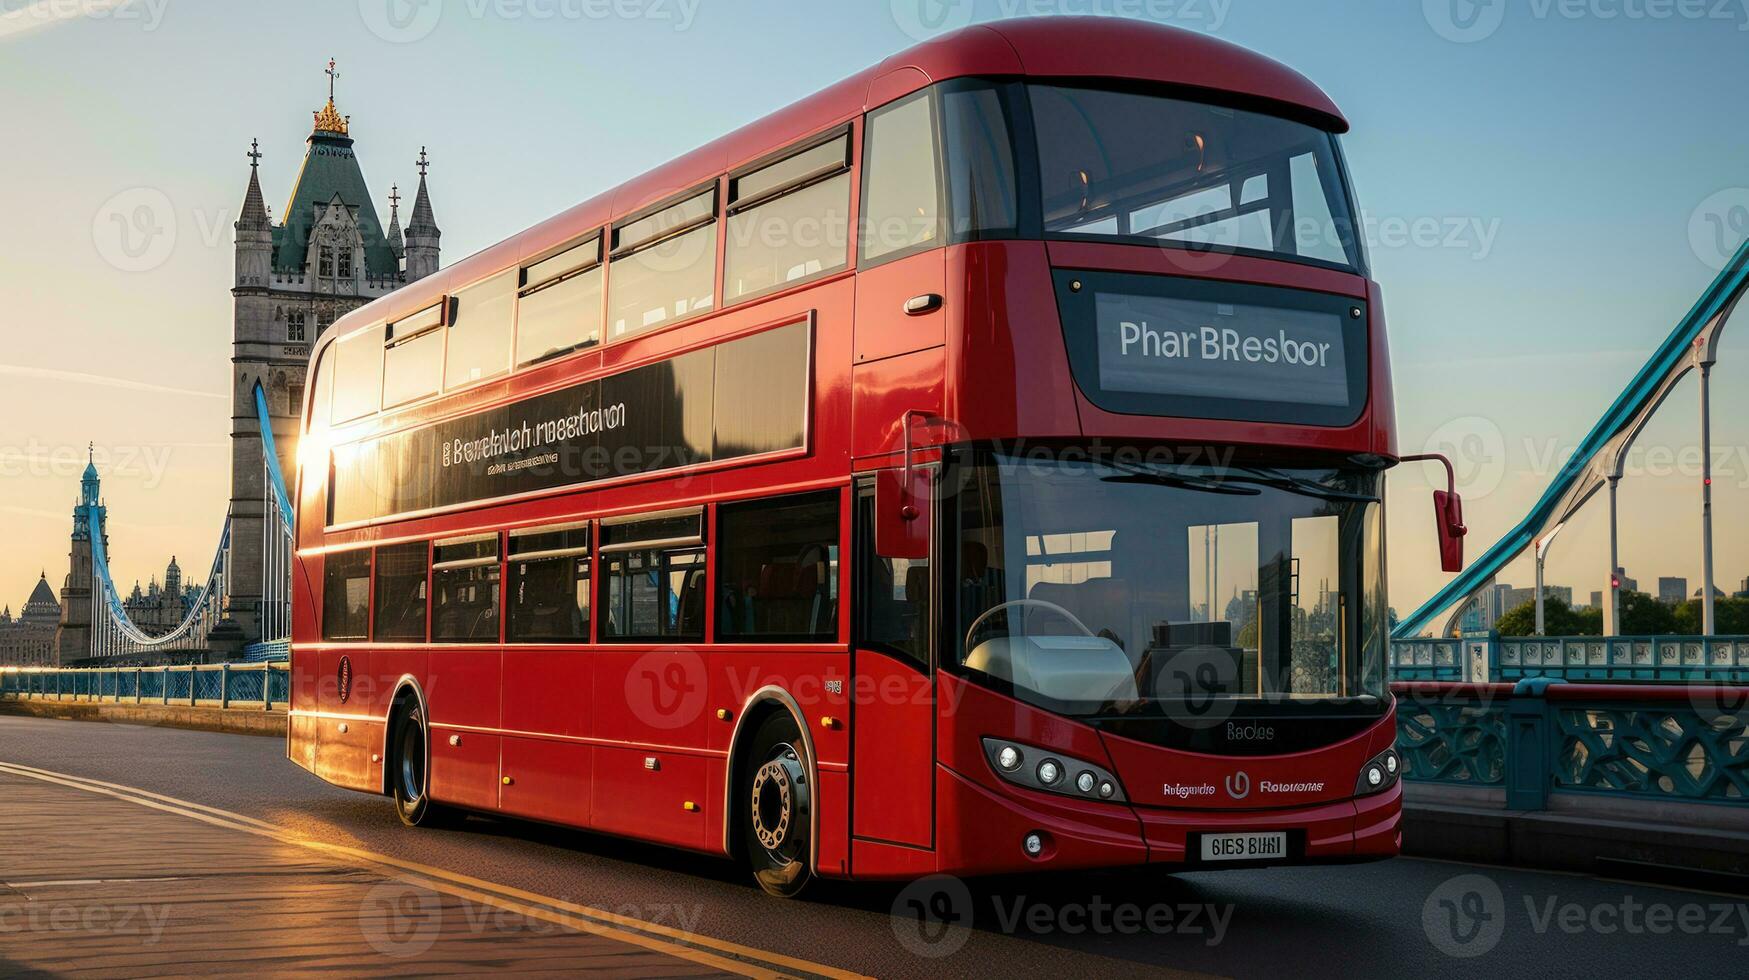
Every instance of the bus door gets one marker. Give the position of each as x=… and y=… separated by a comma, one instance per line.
x=893, y=761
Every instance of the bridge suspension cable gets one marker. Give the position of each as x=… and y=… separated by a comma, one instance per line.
x=1597, y=462
x=115, y=634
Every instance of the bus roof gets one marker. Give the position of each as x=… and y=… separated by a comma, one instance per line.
x=1040, y=47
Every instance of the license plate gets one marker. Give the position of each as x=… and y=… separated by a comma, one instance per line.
x=1244, y=847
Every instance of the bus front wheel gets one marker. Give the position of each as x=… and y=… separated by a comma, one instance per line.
x=410, y=775
x=777, y=801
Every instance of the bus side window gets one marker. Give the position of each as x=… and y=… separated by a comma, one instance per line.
x=464, y=580
x=346, y=595
x=892, y=595
x=777, y=570
x=400, y=593
x=901, y=206
x=479, y=337
x=549, y=586
x=788, y=221
x=664, y=265
x=653, y=578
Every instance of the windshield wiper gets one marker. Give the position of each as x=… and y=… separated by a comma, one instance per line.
x=1294, y=484
x=1141, y=474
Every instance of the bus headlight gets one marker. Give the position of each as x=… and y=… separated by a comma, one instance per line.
x=1379, y=774
x=1053, y=772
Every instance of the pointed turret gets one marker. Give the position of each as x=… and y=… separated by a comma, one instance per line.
x=254, y=229
x=422, y=231
x=395, y=243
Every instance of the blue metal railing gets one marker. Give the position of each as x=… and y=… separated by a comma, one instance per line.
x=1664, y=742
x=1632, y=659
x=252, y=686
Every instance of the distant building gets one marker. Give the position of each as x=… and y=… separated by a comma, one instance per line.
x=1672, y=589
x=1513, y=598
x=1718, y=593
x=1596, y=599
x=159, y=609
x=29, y=640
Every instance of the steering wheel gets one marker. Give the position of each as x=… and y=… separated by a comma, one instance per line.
x=972, y=630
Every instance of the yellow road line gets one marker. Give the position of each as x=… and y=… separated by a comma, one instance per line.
x=717, y=953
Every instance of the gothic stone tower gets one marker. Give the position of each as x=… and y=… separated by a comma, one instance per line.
x=328, y=255
x=73, y=637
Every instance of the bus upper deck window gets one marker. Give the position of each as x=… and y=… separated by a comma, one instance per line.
x=479, y=336
x=901, y=209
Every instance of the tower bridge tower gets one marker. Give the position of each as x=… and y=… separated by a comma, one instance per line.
x=327, y=255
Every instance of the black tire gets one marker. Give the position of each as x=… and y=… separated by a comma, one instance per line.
x=410, y=774
x=775, y=798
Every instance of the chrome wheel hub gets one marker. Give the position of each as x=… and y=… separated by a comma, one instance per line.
x=780, y=803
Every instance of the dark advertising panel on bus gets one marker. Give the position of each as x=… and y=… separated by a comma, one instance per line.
x=739, y=399
x=1159, y=345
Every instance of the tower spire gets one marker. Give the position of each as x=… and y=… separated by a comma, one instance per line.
x=422, y=231
x=328, y=119
x=254, y=212
x=394, y=233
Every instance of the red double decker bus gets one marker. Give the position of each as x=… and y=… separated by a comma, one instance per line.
x=973, y=467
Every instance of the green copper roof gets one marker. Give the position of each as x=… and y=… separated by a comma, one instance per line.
x=330, y=169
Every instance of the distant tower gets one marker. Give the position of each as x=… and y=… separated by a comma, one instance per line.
x=327, y=256
x=422, y=233
x=73, y=638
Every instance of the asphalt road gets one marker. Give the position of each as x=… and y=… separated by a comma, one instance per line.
x=1406, y=917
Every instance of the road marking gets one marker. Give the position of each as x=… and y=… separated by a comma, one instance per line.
x=717, y=953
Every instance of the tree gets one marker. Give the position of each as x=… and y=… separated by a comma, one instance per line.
x=1559, y=619
x=1642, y=615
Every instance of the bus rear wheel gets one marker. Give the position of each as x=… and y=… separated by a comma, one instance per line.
x=777, y=803
x=410, y=775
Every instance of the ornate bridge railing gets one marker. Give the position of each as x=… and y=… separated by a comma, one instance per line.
x=1632, y=659
x=1671, y=743
x=259, y=687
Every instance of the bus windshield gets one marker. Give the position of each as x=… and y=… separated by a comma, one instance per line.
x=1126, y=166
x=1106, y=586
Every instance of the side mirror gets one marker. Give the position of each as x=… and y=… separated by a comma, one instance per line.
x=902, y=514
x=902, y=499
x=1448, y=515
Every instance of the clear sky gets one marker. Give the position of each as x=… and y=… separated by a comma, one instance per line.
x=1550, y=182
